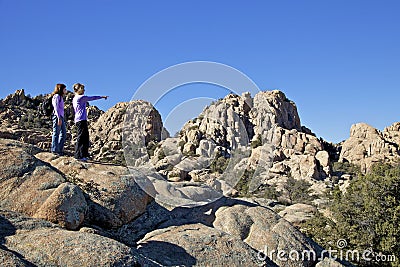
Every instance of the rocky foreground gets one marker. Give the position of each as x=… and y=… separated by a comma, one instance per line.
x=57, y=211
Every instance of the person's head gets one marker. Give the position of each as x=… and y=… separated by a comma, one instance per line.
x=79, y=88
x=60, y=89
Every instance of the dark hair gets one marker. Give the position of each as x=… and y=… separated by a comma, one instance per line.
x=59, y=89
x=78, y=86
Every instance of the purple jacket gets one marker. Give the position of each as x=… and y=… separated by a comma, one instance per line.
x=58, y=105
x=79, y=103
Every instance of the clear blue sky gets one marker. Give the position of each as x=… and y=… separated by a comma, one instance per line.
x=339, y=61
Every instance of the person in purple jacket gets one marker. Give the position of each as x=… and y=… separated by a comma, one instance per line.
x=59, y=131
x=79, y=103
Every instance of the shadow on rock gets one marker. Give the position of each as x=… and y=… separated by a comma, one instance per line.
x=9, y=256
x=157, y=217
x=6, y=229
x=166, y=253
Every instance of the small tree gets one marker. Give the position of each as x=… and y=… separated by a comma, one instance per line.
x=151, y=147
x=257, y=142
x=242, y=185
x=297, y=191
x=219, y=163
x=340, y=168
x=270, y=192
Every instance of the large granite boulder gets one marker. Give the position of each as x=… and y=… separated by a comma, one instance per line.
x=196, y=245
x=265, y=231
x=35, y=184
x=32, y=242
x=34, y=188
x=8, y=258
x=66, y=206
x=114, y=198
x=107, y=132
x=25, y=181
x=298, y=213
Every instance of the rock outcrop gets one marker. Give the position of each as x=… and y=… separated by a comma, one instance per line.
x=367, y=145
x=106, y=135
x=238, y=134
x=392, y=133
x=273, y=108
x=231, y=123
x=108, y=131
x=225, y=124
x=300, y=154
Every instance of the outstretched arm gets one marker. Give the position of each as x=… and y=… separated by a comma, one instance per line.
x=90, y=98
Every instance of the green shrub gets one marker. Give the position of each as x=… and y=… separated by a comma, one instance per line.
x=367, y=215
x=181, y=144
x=340, y=168
x=219, y=163
x=151, y=147
x=270, y=192
x=243, y=185
x=161, y=154
x=297, y=191
x=257, y=142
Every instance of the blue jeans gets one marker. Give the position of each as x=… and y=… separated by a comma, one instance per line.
x=59, y=136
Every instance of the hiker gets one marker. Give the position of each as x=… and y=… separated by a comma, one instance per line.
x=59, y=130
x=79, y=103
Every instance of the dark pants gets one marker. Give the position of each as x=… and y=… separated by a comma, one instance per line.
x=82, y=142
